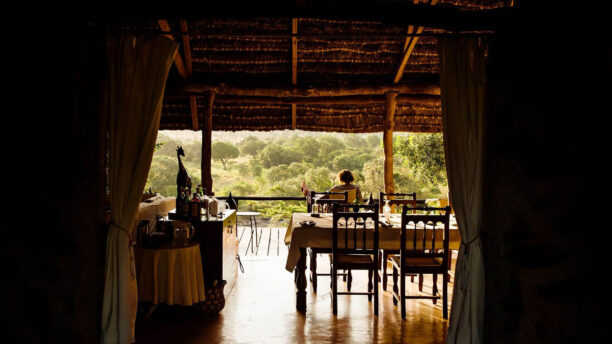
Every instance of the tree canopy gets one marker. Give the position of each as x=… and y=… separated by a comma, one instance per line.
x=424, y=155
x=223, y=151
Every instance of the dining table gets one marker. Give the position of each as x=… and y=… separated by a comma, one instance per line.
x=318, y=234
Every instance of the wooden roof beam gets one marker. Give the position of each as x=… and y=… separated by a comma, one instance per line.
x=193, y=103
x=178, y=61
x=421, y=99
x=408, y=48
x=189, y=88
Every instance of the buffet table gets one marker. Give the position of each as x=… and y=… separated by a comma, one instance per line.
x=170, y=274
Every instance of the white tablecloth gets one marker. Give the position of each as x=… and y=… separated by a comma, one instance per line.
x=320, y=236
x=171, y=275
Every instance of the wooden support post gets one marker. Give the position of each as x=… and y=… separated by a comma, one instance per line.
x=293, y=116
x=207, y=181
x=294, y=25
x=388, y=140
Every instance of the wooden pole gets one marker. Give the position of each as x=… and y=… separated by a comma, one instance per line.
x=207, y=181
x=388, y=140
x=193, y=88
x=422, y=99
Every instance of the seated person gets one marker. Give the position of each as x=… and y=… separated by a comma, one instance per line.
x=346, y=184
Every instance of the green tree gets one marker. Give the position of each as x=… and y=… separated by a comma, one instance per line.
x=223, y=151
x=251, y=145
x=329, y=144
x=319, y=179
x=346, y=161
x=274, y=155
x=355, y=141
x=373, y=178
x=255, y=168
x=424, y=155
x=277, y=173
x=162, y=175
x=373, y=140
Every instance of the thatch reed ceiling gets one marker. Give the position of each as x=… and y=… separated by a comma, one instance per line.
x=259, y=55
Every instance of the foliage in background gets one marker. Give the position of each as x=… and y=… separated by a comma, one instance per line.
x=424, y=155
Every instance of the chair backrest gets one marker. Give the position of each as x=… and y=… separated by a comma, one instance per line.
x=420, y=232
x=352, y=194
x=325, y=200
x=352, y=226
x=396, y=200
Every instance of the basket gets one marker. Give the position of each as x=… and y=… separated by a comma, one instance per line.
x=215, y=299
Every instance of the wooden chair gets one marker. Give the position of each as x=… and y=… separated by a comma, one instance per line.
x=422, y=256
x=352, y=194
x=355, y=247
x=396, y=201
x=325, y=202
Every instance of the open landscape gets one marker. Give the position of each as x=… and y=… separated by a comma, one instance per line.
x=275, y=164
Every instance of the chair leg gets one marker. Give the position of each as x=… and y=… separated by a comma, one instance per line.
x=395, y=289
x=421, y=282
x=383, y=268
x=313, y=270
x=376, y=298
x=435, y=288
x=403, y=292
x=344, y=276
x=445, y=296
x=334, y=282
x=349, y=280
x=370, y=285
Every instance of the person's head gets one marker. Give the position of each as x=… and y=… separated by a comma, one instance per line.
x=346, y=177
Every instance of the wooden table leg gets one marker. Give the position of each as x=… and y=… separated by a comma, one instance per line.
x=300, y=282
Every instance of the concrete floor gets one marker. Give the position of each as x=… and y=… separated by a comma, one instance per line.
x=261, y=309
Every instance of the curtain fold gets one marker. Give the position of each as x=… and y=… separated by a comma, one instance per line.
x=138, y=68
x=462, y=86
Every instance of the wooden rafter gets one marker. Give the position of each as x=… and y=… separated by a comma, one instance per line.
x=178, y=61
x=408, y=48
x=186, y=49
x=421, y=99
x=193, y=103
x=187, y=88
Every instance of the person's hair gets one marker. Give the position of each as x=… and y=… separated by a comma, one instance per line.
x=346, y=176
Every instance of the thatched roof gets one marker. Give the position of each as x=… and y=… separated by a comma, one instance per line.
x=243, y=61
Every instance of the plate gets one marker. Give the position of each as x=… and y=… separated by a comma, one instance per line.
x=308, y=223
x=386, y=224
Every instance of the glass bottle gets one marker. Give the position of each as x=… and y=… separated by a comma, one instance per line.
x=387, y=211
x=204, y=203
x=213, y=206
x=231, y=202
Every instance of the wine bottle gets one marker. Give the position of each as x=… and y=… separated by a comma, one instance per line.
x=231, y=201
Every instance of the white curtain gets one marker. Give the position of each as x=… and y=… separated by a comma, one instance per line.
x=462, y=86
x=138, y=68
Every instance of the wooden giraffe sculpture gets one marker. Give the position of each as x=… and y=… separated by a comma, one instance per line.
x=182, y=178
